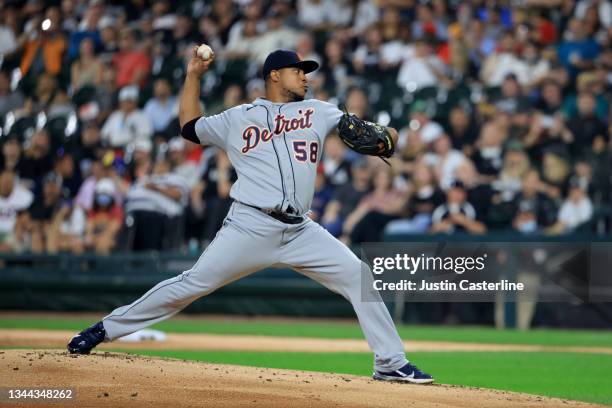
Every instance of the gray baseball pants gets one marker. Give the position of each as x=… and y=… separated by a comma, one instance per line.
x=249, y=241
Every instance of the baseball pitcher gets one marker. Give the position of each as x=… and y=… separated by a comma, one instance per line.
x=275, y=144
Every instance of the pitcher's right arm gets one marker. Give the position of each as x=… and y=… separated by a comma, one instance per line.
x=189, y=102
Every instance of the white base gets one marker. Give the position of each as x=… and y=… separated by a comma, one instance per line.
x=144, y=335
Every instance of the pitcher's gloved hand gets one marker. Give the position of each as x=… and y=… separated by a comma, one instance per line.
x=365, y=137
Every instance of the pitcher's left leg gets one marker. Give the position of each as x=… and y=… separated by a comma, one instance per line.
x=312, y=251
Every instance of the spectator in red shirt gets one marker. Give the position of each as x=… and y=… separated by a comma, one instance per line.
x=546, y=32
x=132, y=65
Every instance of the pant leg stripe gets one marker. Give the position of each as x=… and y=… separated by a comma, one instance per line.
x=171, y=283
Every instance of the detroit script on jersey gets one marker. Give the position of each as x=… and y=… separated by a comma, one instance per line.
x=252, y=135
x=274, y=147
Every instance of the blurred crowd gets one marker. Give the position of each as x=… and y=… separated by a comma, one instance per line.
x=503, y=110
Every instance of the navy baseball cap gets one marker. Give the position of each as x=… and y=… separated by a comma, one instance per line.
x=284, y=59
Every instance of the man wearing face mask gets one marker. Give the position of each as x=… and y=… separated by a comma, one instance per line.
x=456, y=214
x=105, y=218
x=533, y=209
x=488, y=157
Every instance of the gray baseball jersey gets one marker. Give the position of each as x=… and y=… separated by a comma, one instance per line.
x=274, y=147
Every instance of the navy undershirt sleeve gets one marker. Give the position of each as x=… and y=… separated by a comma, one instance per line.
x=188, y=131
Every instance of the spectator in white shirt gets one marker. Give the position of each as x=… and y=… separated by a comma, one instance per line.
x=421, y=70
x=339, y=13
x=160, y=109
x=325, y=14
x=277, y=36
x=576, y=210
x=401, y=48
x=128, y=123
x=312, y=13
x=14, y=203
x=505, y=61
x=242, y=40
x=445, y=161
x=305, y=47
x=253, y=12
x=177, y=156
x=8, y=40
x=537, y=67
x=366, y=14
x=604, y=10
x=419, y=128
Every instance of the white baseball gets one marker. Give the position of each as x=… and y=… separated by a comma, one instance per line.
x=204, y=52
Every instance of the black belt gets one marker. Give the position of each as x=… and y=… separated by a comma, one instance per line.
x=282, y=217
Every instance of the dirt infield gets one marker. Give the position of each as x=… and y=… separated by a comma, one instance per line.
x=116, y=380
x=57, y=339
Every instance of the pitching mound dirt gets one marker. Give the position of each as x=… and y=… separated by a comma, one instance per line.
x=117, y=380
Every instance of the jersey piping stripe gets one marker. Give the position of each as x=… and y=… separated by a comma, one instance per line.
x=280, y=169
x=180, y=277
x=290, y=161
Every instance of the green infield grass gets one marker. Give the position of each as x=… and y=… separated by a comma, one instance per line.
x=341, y=330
